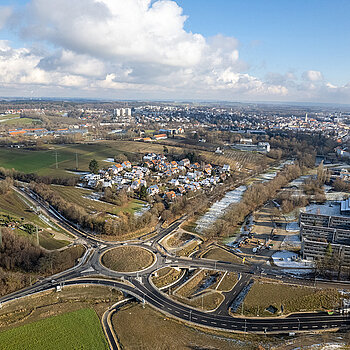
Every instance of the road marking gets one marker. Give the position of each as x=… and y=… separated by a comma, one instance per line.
x=195, y=318
x=314, y=326
x=204, y=321
x=177, y=311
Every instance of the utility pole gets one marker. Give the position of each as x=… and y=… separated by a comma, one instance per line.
x=56, y=154
x=76, y=161
x=37, y=235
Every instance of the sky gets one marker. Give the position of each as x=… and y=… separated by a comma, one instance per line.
x=231, y=50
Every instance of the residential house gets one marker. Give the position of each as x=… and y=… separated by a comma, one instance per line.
x=116, y=168
x=153, y=190
x=226, y=168
x=185, y=162
x=171, y=195
x=126, y=165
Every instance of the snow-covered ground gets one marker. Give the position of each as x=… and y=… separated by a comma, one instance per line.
x=325, y=209
x=218, y=208
x=292, y=226
x=291, y=260
x=291, y=241
x=139, y=212
x=299, y=181
x=82, y=173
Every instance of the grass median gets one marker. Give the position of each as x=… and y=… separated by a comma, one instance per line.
x=166, y=276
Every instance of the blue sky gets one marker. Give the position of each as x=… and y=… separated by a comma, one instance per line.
x=224, y=49
x=280, y=35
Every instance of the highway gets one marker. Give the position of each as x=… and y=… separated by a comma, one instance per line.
x=139, y=285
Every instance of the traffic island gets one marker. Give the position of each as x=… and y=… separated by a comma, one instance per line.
x=128, y=259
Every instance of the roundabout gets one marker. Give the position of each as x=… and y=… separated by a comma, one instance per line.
x=128, y=258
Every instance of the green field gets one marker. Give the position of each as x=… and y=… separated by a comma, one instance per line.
x=76, y=195
x=22, y=122
x=74, y=330
x=50, y=243
x=43, y=162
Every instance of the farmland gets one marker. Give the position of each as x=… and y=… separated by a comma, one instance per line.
x=73, y=330
x=128, y=259
x=43, y=161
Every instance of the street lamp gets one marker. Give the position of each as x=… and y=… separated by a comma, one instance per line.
x=298, y=324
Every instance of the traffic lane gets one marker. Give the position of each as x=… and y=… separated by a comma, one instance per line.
x=229, y=322
x=148, y=294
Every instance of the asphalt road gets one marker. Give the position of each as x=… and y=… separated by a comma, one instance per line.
x=145, y=291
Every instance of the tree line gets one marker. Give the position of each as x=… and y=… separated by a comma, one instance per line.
x=28, y=177
x=254, y=197
x=21, y=261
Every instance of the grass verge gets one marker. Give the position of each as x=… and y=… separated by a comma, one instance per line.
x=292, y=298
x=148, y=325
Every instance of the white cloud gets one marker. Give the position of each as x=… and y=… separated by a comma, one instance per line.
x=132, y=30
x=312, y=75
x=138, y=48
